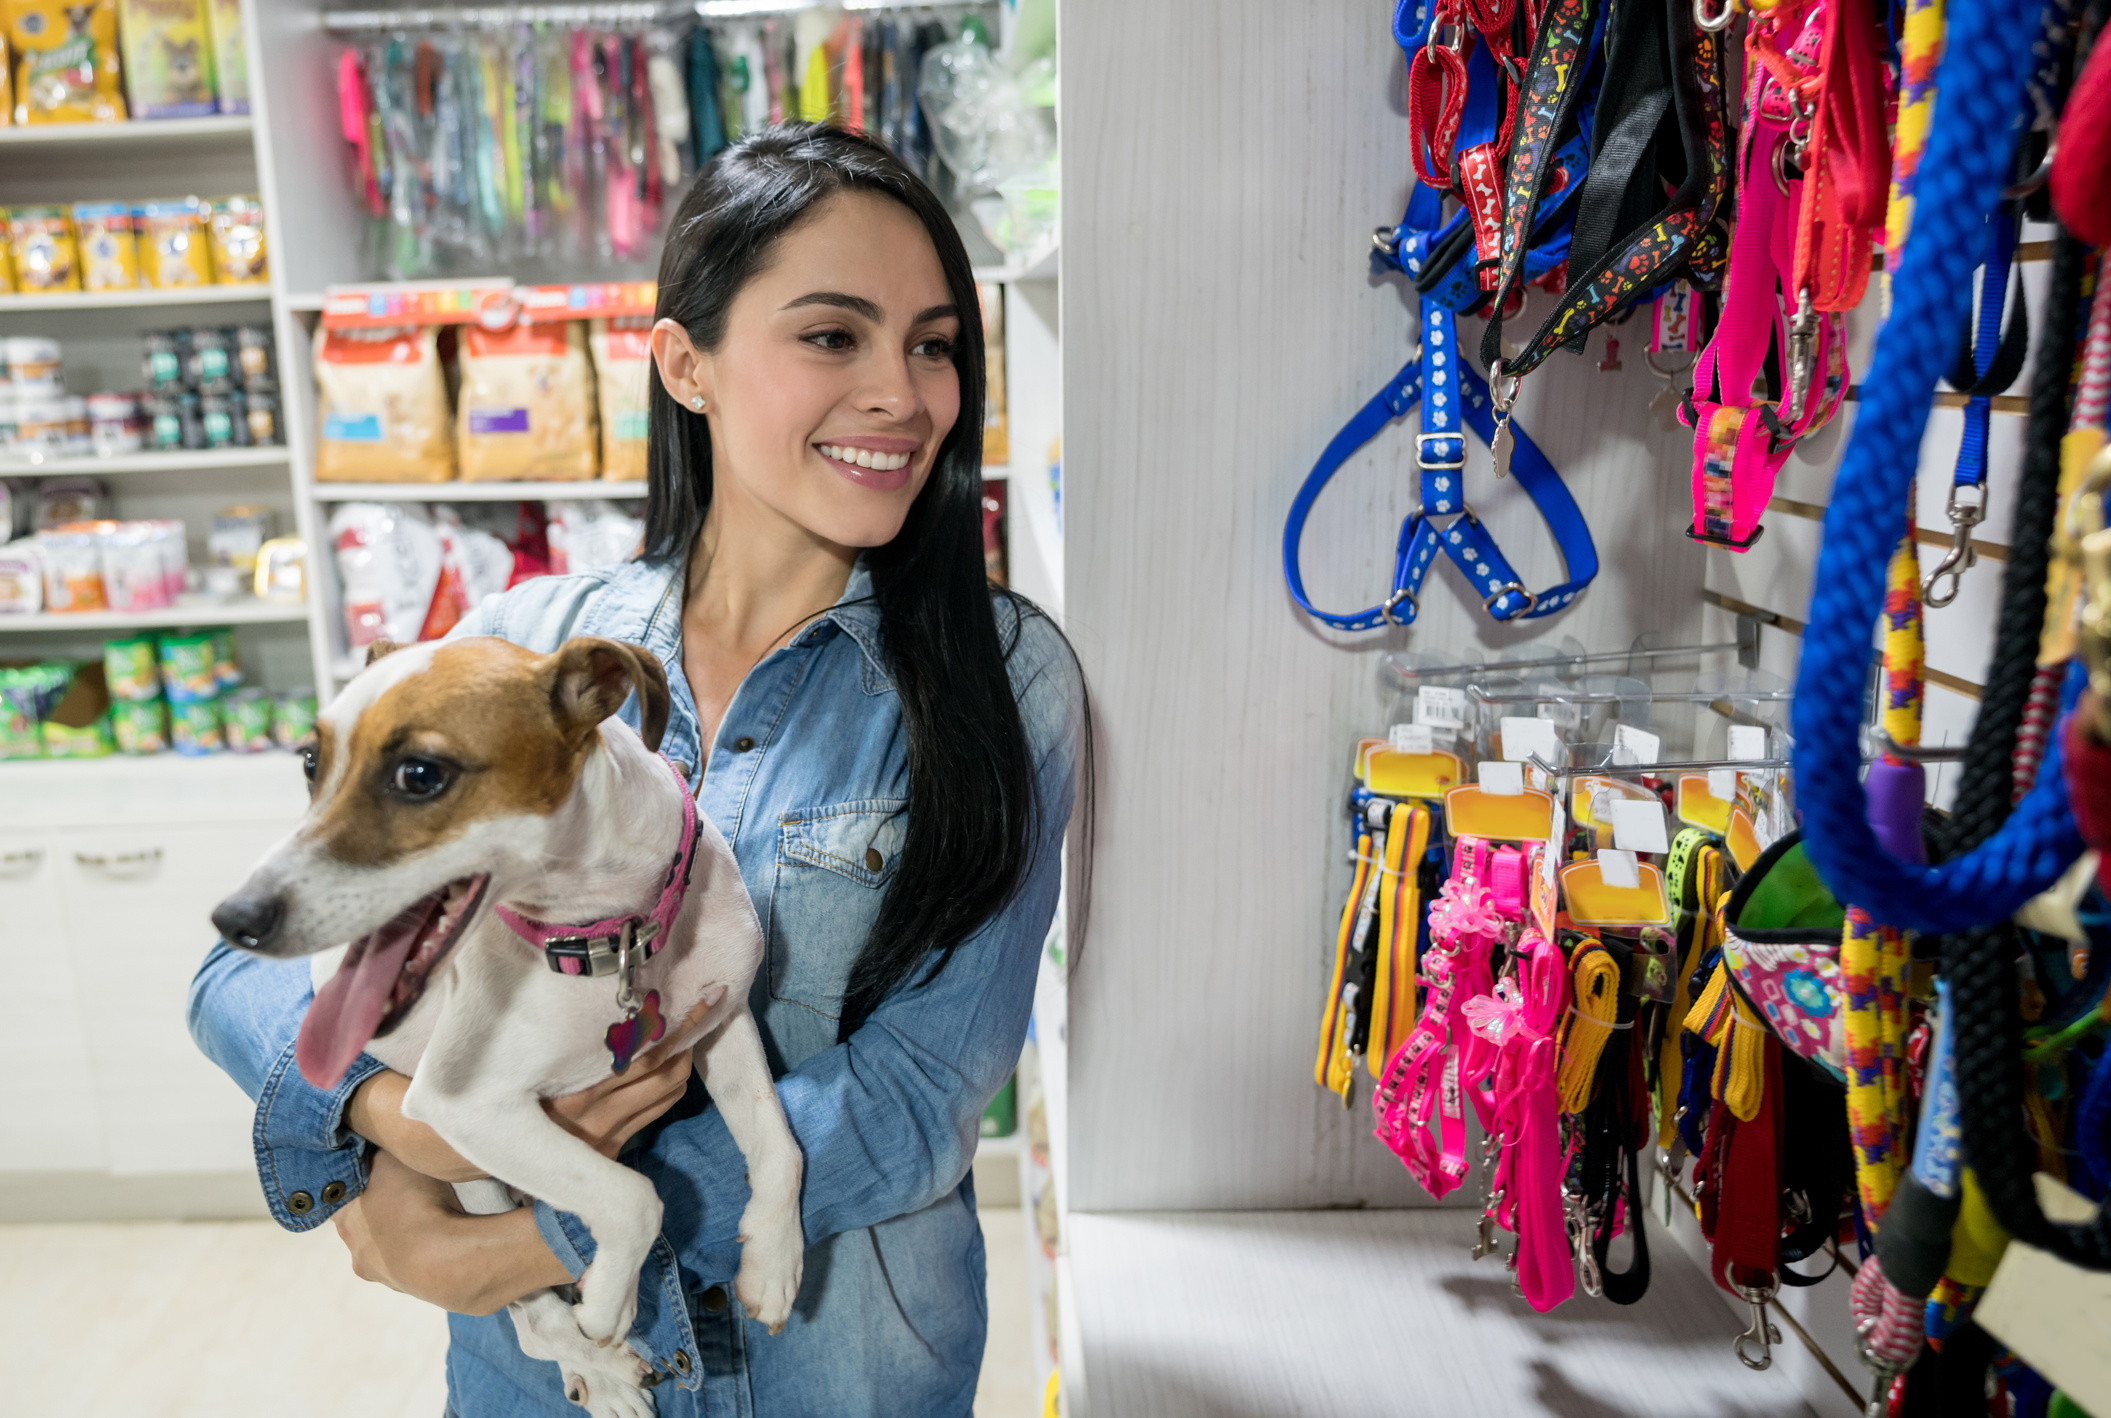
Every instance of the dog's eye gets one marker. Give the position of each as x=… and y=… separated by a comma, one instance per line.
x=308, y=757
x=421, y=778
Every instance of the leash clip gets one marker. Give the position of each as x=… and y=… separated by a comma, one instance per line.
x=1803, y=350
x=1717, y=22
x=627, y=970
x=1962, y=555
x=1499, y=443
x=1764, y=1334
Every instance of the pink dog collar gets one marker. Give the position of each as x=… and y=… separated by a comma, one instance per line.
x=595, y=949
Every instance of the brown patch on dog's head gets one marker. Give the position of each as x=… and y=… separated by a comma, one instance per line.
x=501, y=730
x=377, y=649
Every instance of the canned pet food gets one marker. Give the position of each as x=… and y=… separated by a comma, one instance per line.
x=32, y=363
x=263, y=406
x=245, y=721
x=194, y=727
x=46, y=258
x=140, y=726
x=109, y=245
x=254, y=352
x=40, y=429
x=132, y=668
x=114, y=424
x=224, y=419
x=78, y=443
x=293, y=717
x=163, y=356
x=189, y=671
x=173, y=421
x=211, y=363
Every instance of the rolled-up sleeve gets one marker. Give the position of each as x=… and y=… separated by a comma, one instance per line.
x=245, y=1013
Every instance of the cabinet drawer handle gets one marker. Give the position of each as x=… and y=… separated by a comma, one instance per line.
x=119, y=860
x=21, y=861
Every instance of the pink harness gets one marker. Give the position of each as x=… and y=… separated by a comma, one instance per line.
x=1442, y=1058
x=616, y=945
x=1521, y=1019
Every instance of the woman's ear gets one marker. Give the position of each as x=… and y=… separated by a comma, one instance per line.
x=684, y=371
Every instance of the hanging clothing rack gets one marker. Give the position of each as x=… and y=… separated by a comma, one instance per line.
x=612, y=13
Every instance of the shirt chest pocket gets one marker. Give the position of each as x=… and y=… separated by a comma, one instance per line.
x=833, y=865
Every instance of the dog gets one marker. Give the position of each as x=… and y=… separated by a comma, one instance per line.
x=462, y=793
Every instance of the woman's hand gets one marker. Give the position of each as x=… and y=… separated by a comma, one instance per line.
x=406, y=1232
x=604, y=1116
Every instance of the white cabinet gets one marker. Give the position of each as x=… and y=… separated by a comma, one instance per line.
x=48, y=1113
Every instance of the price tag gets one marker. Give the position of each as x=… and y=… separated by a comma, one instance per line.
x=1638, y=825
x=1558, y=710
x=1618, y=869
x=1528, y=738
x=1440, y=706
x=1409, y=738
x=1747, y=742
x=1722, y=783
x=1502, y=780
x=1633, y=745
x=1602, y=801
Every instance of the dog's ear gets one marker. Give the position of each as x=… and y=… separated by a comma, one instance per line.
x=591, y=677
x=376, y=649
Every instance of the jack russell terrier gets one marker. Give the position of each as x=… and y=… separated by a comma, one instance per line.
x=453, y=775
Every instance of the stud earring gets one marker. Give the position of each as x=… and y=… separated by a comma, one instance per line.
x=696, y=401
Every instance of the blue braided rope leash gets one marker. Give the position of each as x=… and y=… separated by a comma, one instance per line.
x=1986, y=59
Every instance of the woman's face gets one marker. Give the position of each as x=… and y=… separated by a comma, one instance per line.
x=834, y=385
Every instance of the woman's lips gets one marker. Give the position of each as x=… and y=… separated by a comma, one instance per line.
x=882, y=464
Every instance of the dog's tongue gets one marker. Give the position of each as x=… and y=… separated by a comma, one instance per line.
x=350, y=1005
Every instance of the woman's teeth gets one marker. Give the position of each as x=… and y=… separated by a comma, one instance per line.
x=866, y=458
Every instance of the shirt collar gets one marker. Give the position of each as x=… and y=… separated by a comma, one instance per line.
x=653, y=589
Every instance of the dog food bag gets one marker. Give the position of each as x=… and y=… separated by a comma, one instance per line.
x=527, y=405
x=109, y=248
x=590, y=533
x=194, y=727
x=237, y=227
x=245, y=721
x=293, y=717
x=189, y=667
x=132, y=668
x=168, y=58
x=230, y=56
x=73, y=571
x=623, y=371
x=174, y=249
x=7, y=109
x=21, y=578
x=66, y=65
x=139, y=726
x=384, y=407
x=227, y=670
x=135, y=575
x=47, y=258
x=388, y=566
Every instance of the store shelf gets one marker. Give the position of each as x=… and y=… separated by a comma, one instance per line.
x=475, y=492
x=188, y=611
x=129, y=299
x=1038, y=265
x=123, y=135
x=276, y=457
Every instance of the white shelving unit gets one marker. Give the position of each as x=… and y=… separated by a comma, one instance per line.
x=233, y=128
x=475, y=492
x=187, y=611
x=136, y=299
x=185, y=462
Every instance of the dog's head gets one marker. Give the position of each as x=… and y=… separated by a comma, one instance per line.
x=434, y=781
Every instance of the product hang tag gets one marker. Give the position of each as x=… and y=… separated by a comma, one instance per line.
x=1747, y=743
x=1638, y=825
x=1440, y=706
x=2050, y=1312
x=1503, y=780
x=1410, y=738
x=1666, y=407
x=1722, y=783
x=1618, y=869
x=1531, y=738
x=1633, y=745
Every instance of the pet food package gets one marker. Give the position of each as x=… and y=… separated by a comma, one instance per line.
x=383, y=403
x=21, y=578
x=230, y=56
x=78, y=724
x=237, y=230
x=73, y=569
x=388, y=566
x=473, y=564
x=132, y=668
x=623, y=370
x=7, y=111
x=591, y=533
x=527, y=404
x=66, y=64
x=109, y=249
x=46, y=255
x=174, y=248
x=168, y=58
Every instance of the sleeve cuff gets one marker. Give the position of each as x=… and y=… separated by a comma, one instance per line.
x=307, y=1161
x=566, y=1236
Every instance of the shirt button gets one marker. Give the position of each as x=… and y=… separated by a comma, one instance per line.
x=714, y=1304
x=873, y=860
x=333, y=1193
x=300, y=1203
x=681, y=766
x=743, y=743
x=681, y=1361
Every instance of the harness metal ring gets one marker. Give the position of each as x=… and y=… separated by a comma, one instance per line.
x=1649, y=357
x=1488, y=602
x=1503, y=403
x=1402, y=594
x=1718, y=22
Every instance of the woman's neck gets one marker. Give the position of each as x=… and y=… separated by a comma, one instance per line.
x=753, y=580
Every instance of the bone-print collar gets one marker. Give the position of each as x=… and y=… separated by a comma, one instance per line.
x=598, y=947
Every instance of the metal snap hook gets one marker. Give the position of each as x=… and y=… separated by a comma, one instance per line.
x=1763, y=1335
x=1718, y=22
x=1960, y=558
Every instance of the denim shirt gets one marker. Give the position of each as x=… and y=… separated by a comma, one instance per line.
x=808, y=771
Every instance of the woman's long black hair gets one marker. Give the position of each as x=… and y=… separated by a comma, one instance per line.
x=971, y=774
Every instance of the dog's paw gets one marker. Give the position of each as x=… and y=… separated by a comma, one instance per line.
x=608, y=1389
x=772, y=1262
x=608, y=1303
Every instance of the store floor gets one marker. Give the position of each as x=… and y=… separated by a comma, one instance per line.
x=238, y=1319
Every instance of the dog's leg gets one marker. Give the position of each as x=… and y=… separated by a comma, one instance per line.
x=602, y=1381
x=773, y=1243
x=510, y=1136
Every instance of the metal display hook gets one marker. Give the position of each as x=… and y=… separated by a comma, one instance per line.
x=1409, y=672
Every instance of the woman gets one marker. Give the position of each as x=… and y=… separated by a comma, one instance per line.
x=888, y=746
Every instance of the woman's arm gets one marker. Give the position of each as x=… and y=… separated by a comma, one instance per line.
x=406, y=1232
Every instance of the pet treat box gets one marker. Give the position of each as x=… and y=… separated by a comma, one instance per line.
x=168, y=47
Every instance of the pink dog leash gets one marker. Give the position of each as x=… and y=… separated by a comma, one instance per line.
x=1526, y=1198
x=615, y=945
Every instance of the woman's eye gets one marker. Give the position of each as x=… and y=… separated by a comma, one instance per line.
x=420, y=778
x=832, y=340
x=936, y=347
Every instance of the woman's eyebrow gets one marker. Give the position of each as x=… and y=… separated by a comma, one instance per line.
x=858, y=305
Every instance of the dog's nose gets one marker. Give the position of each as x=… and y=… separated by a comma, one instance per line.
x=249, y=921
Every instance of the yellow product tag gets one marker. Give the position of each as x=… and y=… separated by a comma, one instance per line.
x=1700, y=808
x=1741, y=840
x=1593, y=903
x=1407, y=775
x=1527, y=816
